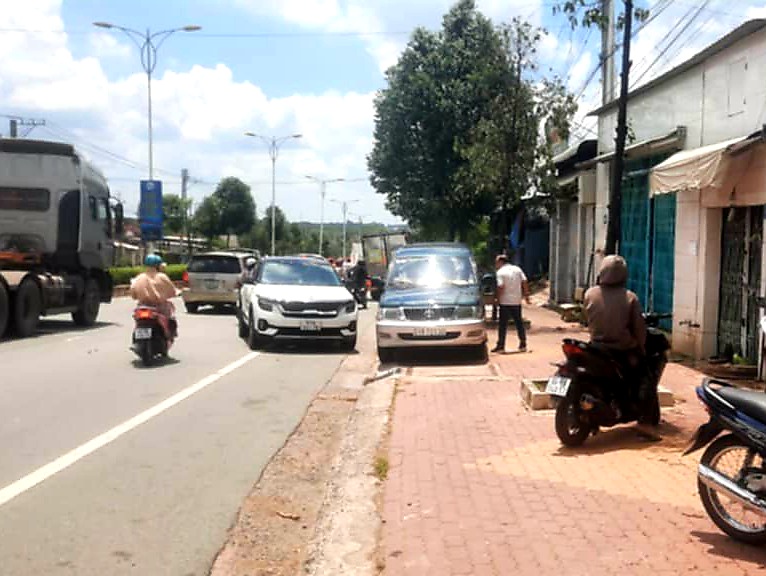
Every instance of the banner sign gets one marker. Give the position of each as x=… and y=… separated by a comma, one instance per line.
x=150, y=215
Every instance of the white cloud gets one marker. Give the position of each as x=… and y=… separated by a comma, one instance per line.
x=200, y=115
x=378, y=20
x=106, y=45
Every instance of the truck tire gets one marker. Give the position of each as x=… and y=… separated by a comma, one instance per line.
x=91, y=303
x=4, y=309
x=26, y=308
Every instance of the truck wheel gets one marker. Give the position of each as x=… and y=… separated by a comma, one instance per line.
x=91, y=303
x=4, y=310
x=26, y=308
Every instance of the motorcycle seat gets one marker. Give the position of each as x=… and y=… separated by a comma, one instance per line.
x=751, y=403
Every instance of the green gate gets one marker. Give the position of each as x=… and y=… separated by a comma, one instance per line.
x=647, y=238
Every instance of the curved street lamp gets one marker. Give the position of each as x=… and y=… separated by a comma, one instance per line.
x=273, y=143
x=148, y=43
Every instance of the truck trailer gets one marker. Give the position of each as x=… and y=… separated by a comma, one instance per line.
x=57, y=230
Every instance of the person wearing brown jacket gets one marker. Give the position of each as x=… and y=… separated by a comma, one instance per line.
x=615, y=322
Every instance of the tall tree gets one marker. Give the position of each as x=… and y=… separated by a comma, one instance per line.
x=207, y=218
x=237, y=207
x=175, y=210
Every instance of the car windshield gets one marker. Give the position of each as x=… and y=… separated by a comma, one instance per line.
x=299, y=272
x=432, y=271
x=215, y=265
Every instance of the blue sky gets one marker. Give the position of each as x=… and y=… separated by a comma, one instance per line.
x=307, y=66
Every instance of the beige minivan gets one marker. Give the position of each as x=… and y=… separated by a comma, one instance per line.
x=213, y=278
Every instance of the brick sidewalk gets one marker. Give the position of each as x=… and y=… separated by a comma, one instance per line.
x=479, y=485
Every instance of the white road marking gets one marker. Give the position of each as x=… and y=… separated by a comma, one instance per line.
x=32, y=479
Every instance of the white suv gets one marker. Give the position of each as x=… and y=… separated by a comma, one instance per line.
x=294, y=298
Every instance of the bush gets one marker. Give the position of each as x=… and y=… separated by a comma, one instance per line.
x=122, y=276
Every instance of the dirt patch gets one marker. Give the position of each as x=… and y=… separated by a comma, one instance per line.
x=277, y=520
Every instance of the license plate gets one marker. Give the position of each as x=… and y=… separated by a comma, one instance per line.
x=310, y=326
x=429, y=331
x=558, y=386
x=142, y=333
x=211, y=284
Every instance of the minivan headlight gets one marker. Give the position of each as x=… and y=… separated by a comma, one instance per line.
x=390, y=314
x=349, y=307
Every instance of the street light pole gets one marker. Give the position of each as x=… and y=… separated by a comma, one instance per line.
x=344, y=205
x=148, y=44
x=323, y=192
x=273, y=143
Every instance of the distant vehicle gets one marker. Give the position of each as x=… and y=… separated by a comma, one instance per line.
x=294, y=298
x=214, y=278
x=378, y=252
x=57, y=230
x=317, y=257
x=431, y=298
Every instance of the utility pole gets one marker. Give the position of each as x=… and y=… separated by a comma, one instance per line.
x=615, y=189
x=30, y=123
x=184, y=187
x=607, y=52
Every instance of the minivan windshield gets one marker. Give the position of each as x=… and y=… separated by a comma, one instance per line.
x=301, y=272
x=431, y=271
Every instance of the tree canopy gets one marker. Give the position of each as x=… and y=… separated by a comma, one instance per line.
x=458, y=127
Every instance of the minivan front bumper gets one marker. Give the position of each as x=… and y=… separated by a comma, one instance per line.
x=407, y=334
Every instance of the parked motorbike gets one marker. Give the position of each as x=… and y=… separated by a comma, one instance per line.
x=592, y=389
x=153, y=334
x=731, y=478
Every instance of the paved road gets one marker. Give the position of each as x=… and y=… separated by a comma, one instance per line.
x=159, y=498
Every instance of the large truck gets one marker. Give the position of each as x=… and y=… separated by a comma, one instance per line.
x=57, y=230
x=378, y=250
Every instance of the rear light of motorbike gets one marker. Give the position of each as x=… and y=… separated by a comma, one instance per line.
x=571, y=349
x=144, y=314
x=185, y=277
x=368, y=284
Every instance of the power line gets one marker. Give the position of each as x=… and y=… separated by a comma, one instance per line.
x=673, y=41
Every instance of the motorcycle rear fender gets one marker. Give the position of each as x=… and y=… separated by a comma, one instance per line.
x=704, y=435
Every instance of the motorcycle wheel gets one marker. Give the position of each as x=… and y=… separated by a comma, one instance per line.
x=145, y=352
x=727, y=456
x=570, y=429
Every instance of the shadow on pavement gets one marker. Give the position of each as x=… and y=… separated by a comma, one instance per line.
x=625, y=437
x=415, y=357
x=158, y=362
x=50, y=327
x=223, y=310
x=309, y=348
x=723, y=546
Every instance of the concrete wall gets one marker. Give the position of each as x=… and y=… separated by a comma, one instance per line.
x=720, y=99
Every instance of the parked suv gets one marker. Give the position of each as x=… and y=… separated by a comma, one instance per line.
x=213, y=278
x=431, y=298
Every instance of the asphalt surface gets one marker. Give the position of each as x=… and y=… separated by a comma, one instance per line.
x=158, y=499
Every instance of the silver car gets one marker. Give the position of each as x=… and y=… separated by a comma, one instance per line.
x=214, y=278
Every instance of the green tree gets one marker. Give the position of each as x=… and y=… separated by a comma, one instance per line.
x=174, y=210
x=207, y=218
x=237, y=207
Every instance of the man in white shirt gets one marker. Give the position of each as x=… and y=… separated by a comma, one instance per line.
x=512, y=286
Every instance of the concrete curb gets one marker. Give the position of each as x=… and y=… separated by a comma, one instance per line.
x=346, y=539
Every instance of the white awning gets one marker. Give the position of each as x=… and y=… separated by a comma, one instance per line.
x=729, y=173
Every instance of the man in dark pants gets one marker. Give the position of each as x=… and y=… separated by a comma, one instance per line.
x=512, y=286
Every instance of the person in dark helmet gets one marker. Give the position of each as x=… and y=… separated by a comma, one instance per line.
x=616, y=323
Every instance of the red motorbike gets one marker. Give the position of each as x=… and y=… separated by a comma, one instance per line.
x=153, y=334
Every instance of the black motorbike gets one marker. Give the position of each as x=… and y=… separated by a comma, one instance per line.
x=594, y=388
x=731, y=477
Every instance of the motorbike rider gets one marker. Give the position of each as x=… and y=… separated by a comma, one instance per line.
x=357, y=277
x=615, y=323
x=154, y=288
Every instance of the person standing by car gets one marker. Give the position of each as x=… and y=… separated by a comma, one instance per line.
x=512, y=286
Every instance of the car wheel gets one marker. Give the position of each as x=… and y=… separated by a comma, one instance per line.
x=242, y=325
x=254, y=341
x=385, y=355
x=349, y=343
